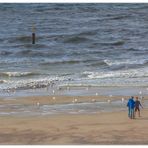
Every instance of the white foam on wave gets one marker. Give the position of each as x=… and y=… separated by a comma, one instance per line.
x=31, y=83
x=16, y=74
x=132, y=73
x=3, y=81
x=125, y=61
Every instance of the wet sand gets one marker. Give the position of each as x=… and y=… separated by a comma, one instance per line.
x=44, y=100
x=99, y=128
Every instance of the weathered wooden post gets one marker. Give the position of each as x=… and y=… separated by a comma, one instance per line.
x=33, y=34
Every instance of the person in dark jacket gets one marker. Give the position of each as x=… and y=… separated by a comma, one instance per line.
x=137, y=106
x=131, y=106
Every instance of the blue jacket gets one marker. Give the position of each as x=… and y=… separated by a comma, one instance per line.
x=131, y=103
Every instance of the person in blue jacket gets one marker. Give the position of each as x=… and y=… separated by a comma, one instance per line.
x=131, y=106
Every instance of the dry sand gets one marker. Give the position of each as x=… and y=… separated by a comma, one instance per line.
x=99, y=128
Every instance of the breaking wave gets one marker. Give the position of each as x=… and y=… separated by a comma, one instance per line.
x=17, y=74
x=118, y=74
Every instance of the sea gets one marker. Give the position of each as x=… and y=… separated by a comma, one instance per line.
x=78, y=45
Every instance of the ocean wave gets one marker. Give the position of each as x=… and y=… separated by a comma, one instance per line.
x=29, y=52
x=119, y=17
x=64, y=61
x=17, y=74
x=117, y=43
x=22, y=39
x=88, y=33
x=136, y=73
x=126, y=62
x=76, y=40
x=25, y=84
x=3, y=53
x=61, y=62
x=31, y=46
x=98, y=63
x=2, y=81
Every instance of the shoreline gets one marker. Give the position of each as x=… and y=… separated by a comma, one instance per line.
x=57, y=105
x=63, y=99
x=59, y=99
x=76, y=91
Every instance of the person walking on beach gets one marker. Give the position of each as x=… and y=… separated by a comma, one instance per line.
x=131, y=106
x=137, y=106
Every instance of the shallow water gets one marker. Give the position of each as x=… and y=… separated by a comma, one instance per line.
x=58, y=109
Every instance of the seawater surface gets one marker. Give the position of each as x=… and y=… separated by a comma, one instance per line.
x=104, y=45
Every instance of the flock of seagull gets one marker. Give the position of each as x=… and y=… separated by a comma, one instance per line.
x=76, y=100
x=92, y=100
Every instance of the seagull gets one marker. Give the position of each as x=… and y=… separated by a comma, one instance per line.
x=96, y=94
x=38, y=104
x=53, y=91
x=122, y=99
x=108, y=101
x=75, y=100
x=140, y=92
x=93, y=100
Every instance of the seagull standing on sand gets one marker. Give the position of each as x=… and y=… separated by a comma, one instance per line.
x=108, y=101
x=75, y=100
x=140, y=92
x=122, y=100
x=93, y=100
x=38, y=104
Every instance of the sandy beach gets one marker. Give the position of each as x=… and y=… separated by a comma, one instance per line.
x=73, y=129
x=67, y=71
